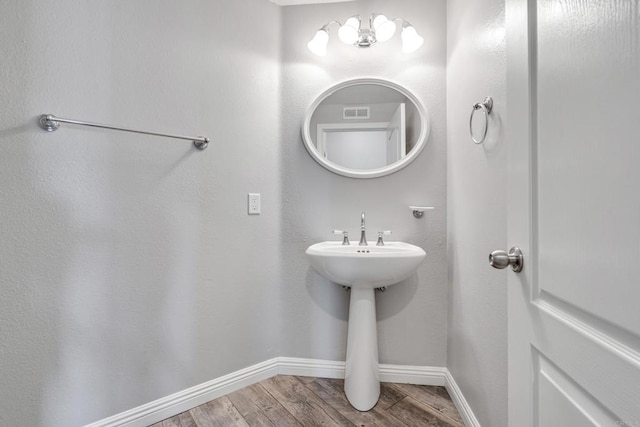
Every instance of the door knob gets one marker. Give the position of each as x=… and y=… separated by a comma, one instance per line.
x=502, y=259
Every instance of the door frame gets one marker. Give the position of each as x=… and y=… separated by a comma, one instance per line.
x=519, y=133
x=323, y=128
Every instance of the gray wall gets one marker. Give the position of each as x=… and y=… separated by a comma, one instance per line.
x=129, y=268
x=476, y=200
x=412, y=317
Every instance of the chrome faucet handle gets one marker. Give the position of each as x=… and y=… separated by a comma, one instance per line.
x=380, y=234
x=345, y=237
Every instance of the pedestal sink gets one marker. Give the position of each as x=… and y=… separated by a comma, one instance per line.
x=363, y=269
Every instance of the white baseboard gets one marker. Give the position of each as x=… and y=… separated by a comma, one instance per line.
x=176, y=403
x=461, y=403
x=421, y=375
x=310, y=367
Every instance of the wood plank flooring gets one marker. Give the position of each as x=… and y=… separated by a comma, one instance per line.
x=304, y=401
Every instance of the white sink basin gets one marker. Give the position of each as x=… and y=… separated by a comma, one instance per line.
x=365, y=266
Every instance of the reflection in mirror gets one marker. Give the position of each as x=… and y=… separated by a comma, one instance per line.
x=365, y=128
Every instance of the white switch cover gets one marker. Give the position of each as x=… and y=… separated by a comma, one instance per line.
x=254, y=204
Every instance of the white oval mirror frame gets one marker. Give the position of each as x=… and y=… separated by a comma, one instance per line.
x=421, y=140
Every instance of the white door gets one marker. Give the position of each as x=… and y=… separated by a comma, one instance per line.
x=573, y=131
x=397, y=139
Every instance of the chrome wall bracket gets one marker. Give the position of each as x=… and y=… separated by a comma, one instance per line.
x=48, y=123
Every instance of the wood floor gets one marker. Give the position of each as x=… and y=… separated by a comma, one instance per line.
x=304, y=401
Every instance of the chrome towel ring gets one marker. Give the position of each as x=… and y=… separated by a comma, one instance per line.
x=486, y=106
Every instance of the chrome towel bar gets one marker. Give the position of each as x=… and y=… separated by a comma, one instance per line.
x=51, y=123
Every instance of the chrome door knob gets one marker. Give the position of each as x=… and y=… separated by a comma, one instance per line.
x=502, y=259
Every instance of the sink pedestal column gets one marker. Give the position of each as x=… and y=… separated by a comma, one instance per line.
x=362, y=374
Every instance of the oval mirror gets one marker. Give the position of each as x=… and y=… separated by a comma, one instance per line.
x=365, y=128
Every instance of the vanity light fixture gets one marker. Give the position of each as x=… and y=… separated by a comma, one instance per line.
x=380, y=29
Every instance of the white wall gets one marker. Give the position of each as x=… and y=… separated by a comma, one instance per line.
x=412, y=316
x=476, y=199
x=129, y=268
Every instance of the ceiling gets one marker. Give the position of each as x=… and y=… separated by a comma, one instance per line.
x=296, y=2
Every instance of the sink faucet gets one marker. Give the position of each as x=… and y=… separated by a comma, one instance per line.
x=363, y=237
x=345, y=237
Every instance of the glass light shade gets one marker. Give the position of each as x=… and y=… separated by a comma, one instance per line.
x=384, y=28
x=318, y=44
x=350, y=31
x=411, y=41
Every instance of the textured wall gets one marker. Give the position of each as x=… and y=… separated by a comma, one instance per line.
x=129, y=268
x=476, y=216
x=411, y=316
